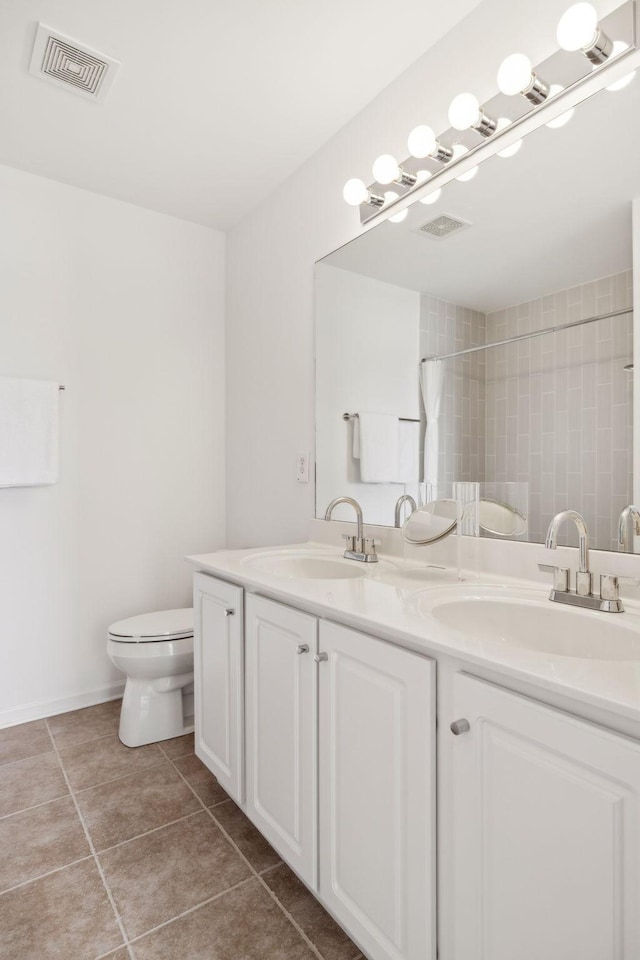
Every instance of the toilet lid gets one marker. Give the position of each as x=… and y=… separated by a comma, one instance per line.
x=162, y=625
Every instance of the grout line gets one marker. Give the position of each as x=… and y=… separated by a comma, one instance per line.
x=82, y=743
x=36, y=806
x=123, y=776
x=33, y=756
x=255, y=873
x=41, y=876
x=138, y=836
x=119, y=922
x=185, y=913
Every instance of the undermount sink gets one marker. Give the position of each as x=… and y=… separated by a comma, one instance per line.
x=306, y=566
x=536, y=624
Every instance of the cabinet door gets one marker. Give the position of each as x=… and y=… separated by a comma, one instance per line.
x=546, y=833
x=218, y=674
x=377, y=793
x=281, y=715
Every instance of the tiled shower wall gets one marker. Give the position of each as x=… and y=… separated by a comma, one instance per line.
x=554, y=411
x=446, y=328
x=559, y=407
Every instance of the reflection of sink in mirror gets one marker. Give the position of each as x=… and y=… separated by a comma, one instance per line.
x=511, y=405
x=494, y=614
x=305, y=566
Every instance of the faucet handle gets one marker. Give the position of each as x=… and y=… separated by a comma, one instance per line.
x=369, y=545
x=560, y=576
x=610, y=585
x=350, y=541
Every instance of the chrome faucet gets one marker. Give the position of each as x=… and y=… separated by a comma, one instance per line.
x=358, y=547
x=609, y=600
x=632, y=512
x=583, y=576
x=405, y=498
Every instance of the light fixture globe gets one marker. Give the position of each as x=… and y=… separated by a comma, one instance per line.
x=355, y=192
x=422, y=142
x=464, y=111
x=386, y=169
x=515, y=74
x=578, y=27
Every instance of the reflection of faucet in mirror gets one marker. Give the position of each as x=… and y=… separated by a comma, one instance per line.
x=405, y=498
x=583, y=576
x=358, y=547
x=624, y=542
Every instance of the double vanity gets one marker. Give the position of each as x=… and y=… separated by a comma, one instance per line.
x=453, y=768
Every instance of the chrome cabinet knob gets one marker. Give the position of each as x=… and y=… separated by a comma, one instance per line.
x=460, y=726
x=319, y=657
x=302, y=648
x=229, y=612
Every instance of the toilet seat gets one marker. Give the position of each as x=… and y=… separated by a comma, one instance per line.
x=158, y=627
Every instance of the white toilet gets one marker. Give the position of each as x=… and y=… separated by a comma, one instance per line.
x=155, y=651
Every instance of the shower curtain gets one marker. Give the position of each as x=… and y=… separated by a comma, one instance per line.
x=432, y=384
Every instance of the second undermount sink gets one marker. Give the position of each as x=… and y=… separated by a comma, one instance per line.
x=528, y=620
x=305, y=565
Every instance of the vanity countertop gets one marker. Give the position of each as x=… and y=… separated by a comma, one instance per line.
x=391, y=599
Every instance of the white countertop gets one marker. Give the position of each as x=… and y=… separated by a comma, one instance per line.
x=389, y=601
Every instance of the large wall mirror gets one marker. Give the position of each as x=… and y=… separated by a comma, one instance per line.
x=434, y=324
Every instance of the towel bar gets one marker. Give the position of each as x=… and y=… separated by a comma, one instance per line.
x=352, y=416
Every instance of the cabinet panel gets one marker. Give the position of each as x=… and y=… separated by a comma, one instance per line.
x=281, y=714
x=546, y=833
x=377, y=850
x=219, y=697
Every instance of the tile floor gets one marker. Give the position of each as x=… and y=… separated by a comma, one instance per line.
x=108, y=852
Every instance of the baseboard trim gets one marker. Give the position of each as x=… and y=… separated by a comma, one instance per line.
x=49, y=708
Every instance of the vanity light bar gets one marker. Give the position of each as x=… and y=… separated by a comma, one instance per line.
x=578, y=31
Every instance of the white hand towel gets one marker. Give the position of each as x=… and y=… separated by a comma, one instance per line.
x=409, y=451
x=28, y=432
x=379, y=447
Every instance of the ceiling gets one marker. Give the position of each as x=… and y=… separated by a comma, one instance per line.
x=215, y=104
x=556, y=215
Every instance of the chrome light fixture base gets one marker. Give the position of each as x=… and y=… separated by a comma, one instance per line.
x=600, y=49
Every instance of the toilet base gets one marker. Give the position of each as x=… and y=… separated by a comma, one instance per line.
x=154, y=710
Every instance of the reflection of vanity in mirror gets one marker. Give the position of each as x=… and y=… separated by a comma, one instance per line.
x=494, y=327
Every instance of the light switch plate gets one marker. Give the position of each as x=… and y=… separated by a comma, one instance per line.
x=302, y=469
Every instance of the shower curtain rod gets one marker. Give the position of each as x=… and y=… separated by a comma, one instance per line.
x=529, y=336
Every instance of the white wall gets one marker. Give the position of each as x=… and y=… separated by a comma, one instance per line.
x=367, y=352
x=271, y=254
x=126, y=308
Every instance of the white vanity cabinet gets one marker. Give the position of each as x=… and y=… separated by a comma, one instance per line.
x=546, y=833
x=281, y=717
x=218, y=642
x=377, y=793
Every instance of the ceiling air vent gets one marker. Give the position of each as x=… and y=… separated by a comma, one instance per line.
x=443, y=226
x=69, y=64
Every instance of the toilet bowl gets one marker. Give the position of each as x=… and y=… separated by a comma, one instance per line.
x=155, y=651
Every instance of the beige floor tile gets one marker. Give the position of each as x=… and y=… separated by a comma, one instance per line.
x=202, y=781
x=250, y=841
x=160, y=875
x=39, y=840
x=24, y=783
x=122, y=954
x=65, y=916
x=179, y=746
x=79, y=726
x=244, y=924
x=325, y=934
x=24, y=740
x=88, y=764
x=132, y=805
